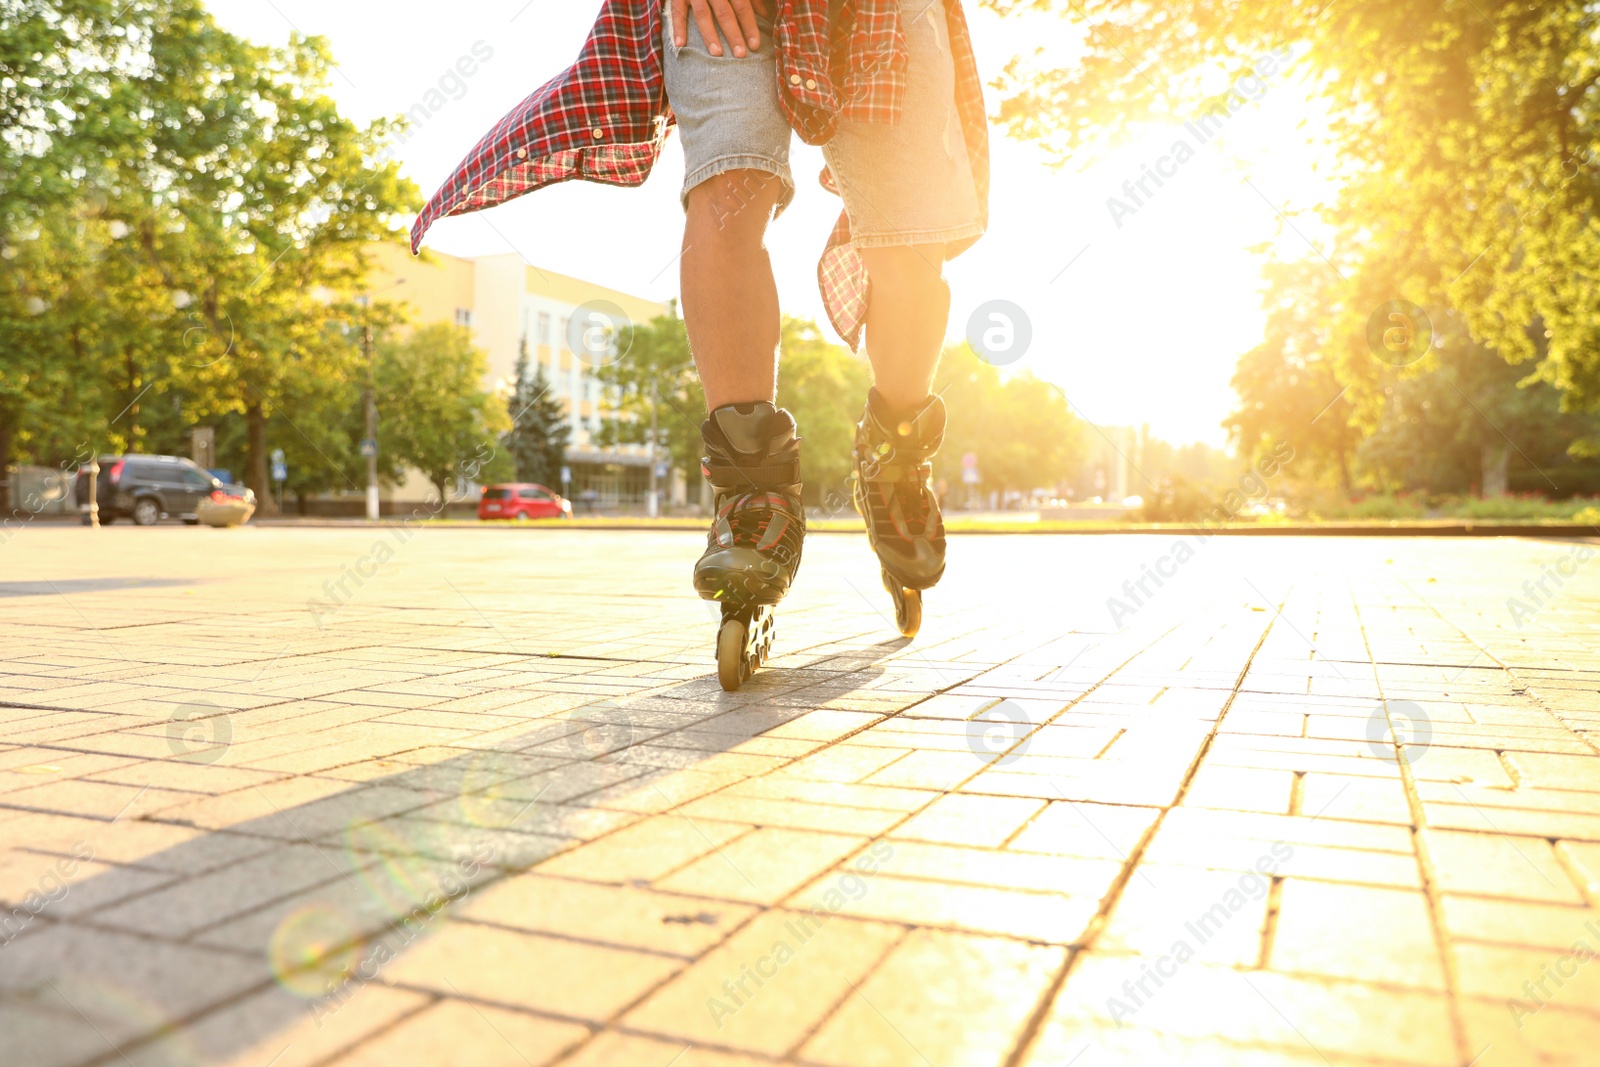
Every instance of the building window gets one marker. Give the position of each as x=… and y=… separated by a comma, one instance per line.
x=564, y=333
x=463, y=316
x=544, y=327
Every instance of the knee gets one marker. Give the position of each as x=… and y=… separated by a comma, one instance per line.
x=734, y=206
x=908, y=272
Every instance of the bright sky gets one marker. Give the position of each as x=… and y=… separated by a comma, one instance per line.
x=1144, y=325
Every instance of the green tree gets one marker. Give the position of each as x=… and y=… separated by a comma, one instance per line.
x=218, y=195
x=537, y=440
x=1467, y=420
x=1289, y=388
x=1468, y=137
x=653, y=382
x=824, y=386
x=433, y=414
x=1021, y=428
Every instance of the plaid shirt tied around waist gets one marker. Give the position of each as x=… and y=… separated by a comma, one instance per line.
x=606, y=117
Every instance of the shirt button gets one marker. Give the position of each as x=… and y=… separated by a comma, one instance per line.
x=794, y=79
x=598, y=133
x=522, y=153
x=811, y=83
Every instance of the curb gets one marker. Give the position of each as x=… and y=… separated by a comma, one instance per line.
x=1394, y=529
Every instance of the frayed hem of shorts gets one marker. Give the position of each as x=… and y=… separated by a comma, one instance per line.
x=907, y=238
x=764, y=164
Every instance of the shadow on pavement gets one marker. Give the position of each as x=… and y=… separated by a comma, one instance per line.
x=282, y=900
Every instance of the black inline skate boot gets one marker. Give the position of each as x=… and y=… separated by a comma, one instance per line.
x=894, y=454
x=752, y=460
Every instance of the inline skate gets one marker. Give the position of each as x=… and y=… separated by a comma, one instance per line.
x=894, y=464
x=752, y=460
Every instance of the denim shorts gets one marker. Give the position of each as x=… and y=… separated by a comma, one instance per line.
x=903, y=184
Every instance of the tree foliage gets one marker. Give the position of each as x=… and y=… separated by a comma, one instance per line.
x=433, y=415
x=1467, y=140
x=176, y=204
x=537, y=440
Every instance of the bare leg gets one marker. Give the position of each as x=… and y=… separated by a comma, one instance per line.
x=908, y=307
x=730, y=302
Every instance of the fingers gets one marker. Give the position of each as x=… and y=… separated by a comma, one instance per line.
x=763, y=8
x=729, y=17
x=680, y=30
x=708, y=27
x=747, y=24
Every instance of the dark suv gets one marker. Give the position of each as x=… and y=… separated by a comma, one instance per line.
x=148, y=488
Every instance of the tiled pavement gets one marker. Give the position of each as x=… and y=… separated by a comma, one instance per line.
x=482, y=803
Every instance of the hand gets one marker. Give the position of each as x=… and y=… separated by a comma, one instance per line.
x=736, y=18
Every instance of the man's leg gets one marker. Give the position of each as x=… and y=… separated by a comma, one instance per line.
x=736, y=176
x=751, y=447
x=908, y=306
x=730, y=302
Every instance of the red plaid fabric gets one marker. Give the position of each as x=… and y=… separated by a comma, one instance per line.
x=605, y=118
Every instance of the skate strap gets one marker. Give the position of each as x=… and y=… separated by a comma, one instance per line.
x=767, y=476
x=897, y=469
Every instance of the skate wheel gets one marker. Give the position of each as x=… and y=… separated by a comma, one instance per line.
x=742, y=645
x=730, y=654
x=907, y=609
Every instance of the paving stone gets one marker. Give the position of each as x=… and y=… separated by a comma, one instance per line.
x=1045, y=917
x=903, y=1013
x=1517, y=922
x=456, y=1033
x=769, y=986
x=1215, y=916
x=533, y=972
x=420, y=733
x=645, y=851
x=274, y=1026
x=1268, y=1011
x=965, y=819
x=763, y=866
x=1095, y=831
x=1367, y=933
x=613, y=1049
x=1523, y=1034
x=1522, y=868
x=832, y=818
x=614, y=915
x=1241, y=789
x=70, y=980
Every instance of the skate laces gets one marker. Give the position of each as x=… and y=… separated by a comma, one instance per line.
x=772, y=523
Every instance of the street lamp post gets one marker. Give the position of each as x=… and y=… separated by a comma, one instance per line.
x=369, y=443
x=654, y=505
x=92, y=519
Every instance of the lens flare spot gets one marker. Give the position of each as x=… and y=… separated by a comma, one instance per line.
x=312, y=949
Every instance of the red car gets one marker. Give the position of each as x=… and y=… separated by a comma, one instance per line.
x=522, y=500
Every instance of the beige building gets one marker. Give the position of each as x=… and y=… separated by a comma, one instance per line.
x=507, y=302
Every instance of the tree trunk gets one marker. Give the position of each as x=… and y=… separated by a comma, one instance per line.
x=131, y=369
x=255, y=460
x=1496, y=456
x=1344, y=474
